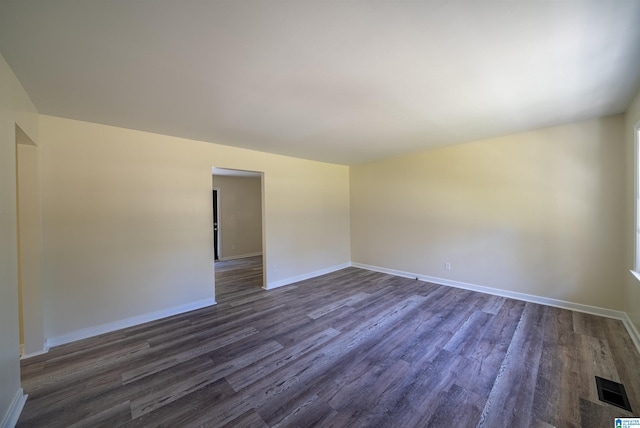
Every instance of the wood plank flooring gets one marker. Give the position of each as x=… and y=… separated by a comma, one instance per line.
x=349, y=349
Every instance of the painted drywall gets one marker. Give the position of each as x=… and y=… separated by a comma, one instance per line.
x=15, y=108
x=30, y=244
x=127, y=220
x=539, y=213
x=240, y=222
x=632, y=291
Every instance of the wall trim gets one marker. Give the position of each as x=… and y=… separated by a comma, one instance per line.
x=293, y=279
x=10, y=418
x=240, y=256
x=633, y=331
x=128, y=322
x=563, y=304
x=44, y=350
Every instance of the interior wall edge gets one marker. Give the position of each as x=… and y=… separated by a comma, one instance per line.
x=11, y=417
x=17, y=111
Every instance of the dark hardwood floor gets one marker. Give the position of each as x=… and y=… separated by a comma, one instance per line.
x=349, y=349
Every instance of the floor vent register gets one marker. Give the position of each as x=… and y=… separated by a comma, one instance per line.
x=613, y=393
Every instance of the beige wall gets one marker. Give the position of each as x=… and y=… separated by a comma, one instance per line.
x=540, y=212
x=240, y=222
x=632, y=119
x=127, y=224
x=15, y=108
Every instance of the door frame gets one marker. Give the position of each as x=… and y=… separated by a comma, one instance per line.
x=261, y=175
x=216, y=223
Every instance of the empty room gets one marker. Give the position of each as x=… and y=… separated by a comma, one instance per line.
x=319, y=213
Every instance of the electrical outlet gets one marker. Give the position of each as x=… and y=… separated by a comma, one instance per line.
x=447, y=266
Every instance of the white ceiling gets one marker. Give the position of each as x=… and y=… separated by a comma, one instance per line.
x=340, y=81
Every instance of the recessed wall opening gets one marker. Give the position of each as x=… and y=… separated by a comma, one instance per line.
x=29, y=240
x=238, y=229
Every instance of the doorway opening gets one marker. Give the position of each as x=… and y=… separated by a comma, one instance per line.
x=238, y=231
x=29, y=243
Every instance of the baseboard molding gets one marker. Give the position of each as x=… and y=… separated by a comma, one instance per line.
x=240, y=256
x=24, y=356
x=633, y=331
x=287, y=281
x=563, y=304
x=128, y=322
x=10, y=418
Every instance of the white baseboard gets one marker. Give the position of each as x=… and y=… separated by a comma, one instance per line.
x=563, y=304
x=128, y=322
x=240, y=256
x=287, y=281
x=44, y=350
x=633, y=331
x=10, y=418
